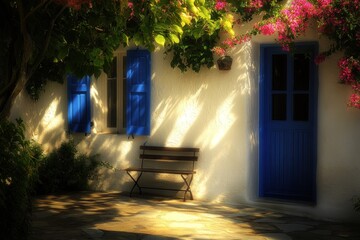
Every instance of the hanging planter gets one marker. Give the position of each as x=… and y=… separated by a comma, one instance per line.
x=224, y=63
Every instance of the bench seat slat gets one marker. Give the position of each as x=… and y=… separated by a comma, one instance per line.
x=157, y=170
x=171, y=149
x=168, y=157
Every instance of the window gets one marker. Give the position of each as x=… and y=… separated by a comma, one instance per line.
x=126, y=100
x=116, y=94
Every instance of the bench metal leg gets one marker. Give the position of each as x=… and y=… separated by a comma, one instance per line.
x=188, y=183
x=136, y=184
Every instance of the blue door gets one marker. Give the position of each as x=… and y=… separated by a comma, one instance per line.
x=288, y=99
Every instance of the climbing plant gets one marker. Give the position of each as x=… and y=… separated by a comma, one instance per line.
x=46, y=39
x=338, y=20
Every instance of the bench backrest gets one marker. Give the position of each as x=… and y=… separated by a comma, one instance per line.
x=169, y=154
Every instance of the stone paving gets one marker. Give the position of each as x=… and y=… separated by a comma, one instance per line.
x=112, y=216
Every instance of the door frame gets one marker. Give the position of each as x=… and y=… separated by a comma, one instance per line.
x=263, y=97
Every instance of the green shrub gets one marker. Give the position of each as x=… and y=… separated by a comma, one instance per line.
x=24, y=168
x=19, y=160
x=64, y=169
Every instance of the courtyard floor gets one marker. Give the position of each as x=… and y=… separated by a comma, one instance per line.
x=112, y=216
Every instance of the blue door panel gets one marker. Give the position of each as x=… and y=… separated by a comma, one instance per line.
x=288, y=88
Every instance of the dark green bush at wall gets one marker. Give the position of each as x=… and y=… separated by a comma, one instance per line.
x=64, y=169
x=25, y=171
x=19, y=160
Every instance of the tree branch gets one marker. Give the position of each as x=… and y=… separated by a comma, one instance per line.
x=46, y=45
x=33, y=10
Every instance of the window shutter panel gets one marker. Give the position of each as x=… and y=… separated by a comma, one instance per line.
x=79, y=104
x=138, y=79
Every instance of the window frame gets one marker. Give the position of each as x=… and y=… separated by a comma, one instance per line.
x=120, y=127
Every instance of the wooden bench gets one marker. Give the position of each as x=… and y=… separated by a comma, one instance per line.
x=168, y=160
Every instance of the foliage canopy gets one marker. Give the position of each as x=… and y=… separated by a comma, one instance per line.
x=47, y=39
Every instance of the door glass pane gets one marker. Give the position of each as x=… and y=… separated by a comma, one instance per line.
x=279, y=70
x=301, y=72
x=279, y=107
x=301, y=107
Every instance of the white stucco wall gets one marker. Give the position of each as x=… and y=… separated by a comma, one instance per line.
x=216, y=111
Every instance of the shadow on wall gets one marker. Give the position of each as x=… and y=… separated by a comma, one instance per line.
x=46, y=118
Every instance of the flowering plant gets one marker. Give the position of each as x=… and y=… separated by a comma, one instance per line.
x=190, y=29
x=339, y=20
x=245, y=11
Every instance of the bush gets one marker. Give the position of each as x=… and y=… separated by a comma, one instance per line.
x=19, y=160
x=24, y=169
x=66, y=170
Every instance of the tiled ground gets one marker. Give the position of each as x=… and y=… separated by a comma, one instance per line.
x=111, y=216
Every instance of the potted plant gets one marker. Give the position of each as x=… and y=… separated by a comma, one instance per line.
x=224, y=62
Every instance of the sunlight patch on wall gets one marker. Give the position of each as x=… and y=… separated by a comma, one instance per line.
x=199, y=187
x=220, y=125
x=50, y=132
x=49, y=114
x=97, y=94
x=51, y=120
x=245, y=67
x=187, y=112
x=160, y=114
x=94, y=93
x=126, y=147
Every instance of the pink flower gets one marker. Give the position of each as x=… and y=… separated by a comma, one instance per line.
x=267, y=29
x=324, y=3
x=280, y=26
x=76, y=4
x=229, y=42
x=220, y=5
x=356, y=87
x=219, y=51
x=349, y=70
x=354, y=100
x=256, y=3
x=131, y=6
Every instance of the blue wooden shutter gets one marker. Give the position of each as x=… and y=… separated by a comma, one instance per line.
x=79, y=104
x=138, y=72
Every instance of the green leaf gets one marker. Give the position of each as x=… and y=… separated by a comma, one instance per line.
x=160, y=39
x=204, y=13
x=174, y=38
x=176, y=28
